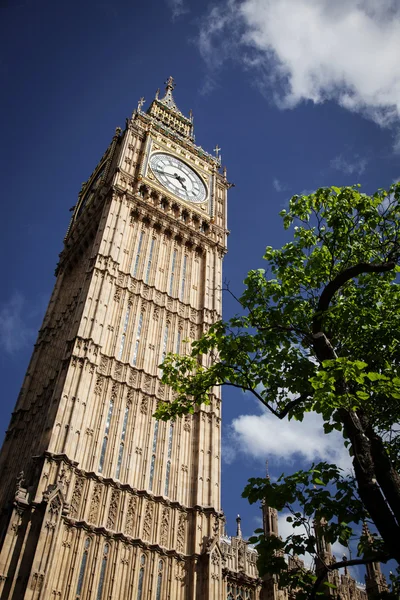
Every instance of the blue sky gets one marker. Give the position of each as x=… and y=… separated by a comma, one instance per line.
x=298, y=93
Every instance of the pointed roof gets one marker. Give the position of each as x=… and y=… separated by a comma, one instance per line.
x=166, y=112
x=168, y=99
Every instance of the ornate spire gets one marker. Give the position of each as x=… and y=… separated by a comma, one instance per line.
x=366, y=532
x=323, y=547
x=168, y=99
x=239, y=527
x=166, y=112
x=270, y=515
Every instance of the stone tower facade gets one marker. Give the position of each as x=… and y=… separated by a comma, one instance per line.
x=99, y=500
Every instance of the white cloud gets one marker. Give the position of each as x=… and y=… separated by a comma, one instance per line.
x=263, y=436
x=177, y=8
x=307, y=50
x=279, y=186
x=14, y=333
x=285, y=529
x=355, y=166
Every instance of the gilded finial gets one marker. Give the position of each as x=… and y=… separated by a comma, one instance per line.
x=170, y=83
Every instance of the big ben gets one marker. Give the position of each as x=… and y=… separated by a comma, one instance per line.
x=99, y=500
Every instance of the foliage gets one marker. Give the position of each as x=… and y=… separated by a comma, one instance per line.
x=319, y=331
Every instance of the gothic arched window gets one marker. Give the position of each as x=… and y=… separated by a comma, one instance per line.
x=135, y=268
x=141, y=577
x=178, y=342
x=102, y=572
x=105, y=438
x=138, y=333
x=182, y=292
x=82, y=569
x=122, y=442
x=171, y=280
x=159, y=579
x=169, y=454
x=153, y=455
x=123, y=337
x=146, y=280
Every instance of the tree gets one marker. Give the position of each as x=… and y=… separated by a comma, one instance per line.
x=319, y=332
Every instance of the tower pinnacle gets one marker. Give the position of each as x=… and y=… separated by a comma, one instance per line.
x=239, y=527
x=168, y=99
x=166, y=112
x=170, y=83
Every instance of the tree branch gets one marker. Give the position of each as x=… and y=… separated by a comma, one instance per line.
x=281, y=414
x=380, y=557
x=333, y=286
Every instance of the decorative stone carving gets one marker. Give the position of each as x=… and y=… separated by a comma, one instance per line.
x=144, y=405
x=113, y=510
x=55, y=506
x=103, y=365
x=15, y=527
x=186, y=424
x=164, y=527
x=180, y=571
x=216, y=527
x=129, y=397
x=130, y=516
x=242, y=557
x=37, y=581
x=114, y=391
x=95, y=504
x=118, y=370
x=20, y=481
x=180, y=536
x=147, y=383
x=132, y=377
x=98, y=388
x=148, y=520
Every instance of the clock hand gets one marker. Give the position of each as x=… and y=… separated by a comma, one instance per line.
x=181, y=180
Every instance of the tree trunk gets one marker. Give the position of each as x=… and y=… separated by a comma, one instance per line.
x=378, y=486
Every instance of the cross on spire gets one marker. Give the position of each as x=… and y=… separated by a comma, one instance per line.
x=217, y=151
x=140, y=104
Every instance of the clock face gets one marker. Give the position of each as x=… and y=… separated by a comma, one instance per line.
x=180, y=179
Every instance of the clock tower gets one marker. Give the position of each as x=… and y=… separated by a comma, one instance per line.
x=99, y=500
